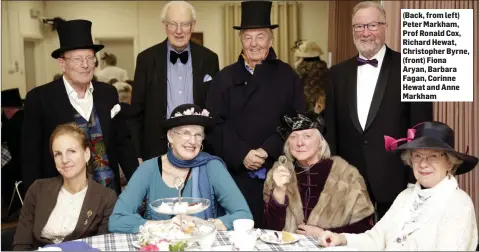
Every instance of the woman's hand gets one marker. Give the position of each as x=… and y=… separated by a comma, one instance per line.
x=330, y=239
x=309, y=230
x=281, y=177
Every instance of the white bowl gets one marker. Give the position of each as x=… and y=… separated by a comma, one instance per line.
x=243, y=225
x=207, y=241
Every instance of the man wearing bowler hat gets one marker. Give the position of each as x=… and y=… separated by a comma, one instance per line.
x=247, y=100
x=74, y=97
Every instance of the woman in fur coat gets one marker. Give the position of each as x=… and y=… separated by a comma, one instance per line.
x=318, y=192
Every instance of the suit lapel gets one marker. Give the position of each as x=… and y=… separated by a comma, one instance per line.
x=64, y=110
x=88, y=211
x=352, y=88
x=380, y=88
x=160, y=68
x=103, y=111
x=197, y=65
x=48, y=203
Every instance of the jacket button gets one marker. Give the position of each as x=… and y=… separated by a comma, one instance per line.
x=366, y=142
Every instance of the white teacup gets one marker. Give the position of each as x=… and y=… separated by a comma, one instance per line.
x=246, y=225
x=243, y=241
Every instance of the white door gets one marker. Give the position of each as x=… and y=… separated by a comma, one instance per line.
x=30, y=76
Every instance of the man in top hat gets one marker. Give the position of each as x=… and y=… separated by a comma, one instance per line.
x=247, y=100
x=363, y=103
x=174, y=72
x=12, y=120
x=92, y=105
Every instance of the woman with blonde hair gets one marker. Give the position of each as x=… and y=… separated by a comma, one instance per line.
x=70, y=206
x=433, y=215
x=309, y=191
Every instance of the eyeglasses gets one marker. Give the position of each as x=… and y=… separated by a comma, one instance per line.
x=77, y=61
x=431, y=159
x=374, y=26
x=173, y=26
x=186, y=135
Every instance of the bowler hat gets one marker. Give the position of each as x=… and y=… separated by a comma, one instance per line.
x=75, y=34
x=188, y=114
x=11, y=98
x=432, y=135
x=255, y=15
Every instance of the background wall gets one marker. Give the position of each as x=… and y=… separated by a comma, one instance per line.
x=139, y=20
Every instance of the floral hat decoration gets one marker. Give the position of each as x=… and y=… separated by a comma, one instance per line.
x=188, y=114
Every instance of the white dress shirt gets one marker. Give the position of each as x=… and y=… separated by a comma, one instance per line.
x=64, y=217
x=439, y=218
x=83, y=105
x=367, y=78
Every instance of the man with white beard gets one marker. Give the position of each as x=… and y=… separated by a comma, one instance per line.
x=363, y=104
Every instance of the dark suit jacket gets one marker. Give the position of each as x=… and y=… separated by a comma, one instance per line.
x=149, y=98
x=48, y=106
x=11, y=172
x=248, y=108
x=383, y=171
x=40, y=201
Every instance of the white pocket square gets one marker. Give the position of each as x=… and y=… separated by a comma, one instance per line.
x=115, y=110
x=207, y=78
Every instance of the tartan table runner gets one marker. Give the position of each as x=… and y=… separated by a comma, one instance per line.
x=124, y=242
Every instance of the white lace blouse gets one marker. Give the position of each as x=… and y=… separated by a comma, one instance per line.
x=64, y=217
x=439, y=218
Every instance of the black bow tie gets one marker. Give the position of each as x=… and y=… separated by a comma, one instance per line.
x=174, y=57
x=373, y=62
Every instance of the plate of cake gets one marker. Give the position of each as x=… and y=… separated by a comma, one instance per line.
x=280, y=238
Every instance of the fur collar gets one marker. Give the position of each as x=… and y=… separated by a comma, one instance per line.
x=343, y=201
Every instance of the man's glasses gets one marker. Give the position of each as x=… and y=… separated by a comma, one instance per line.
x=77, y=61
x=374, y=26
x=173, y=26
x=431, y=159
x=186, y=135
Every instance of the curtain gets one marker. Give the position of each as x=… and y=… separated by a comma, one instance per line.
x=340, y=35
x=283, y=13
x=462, y=117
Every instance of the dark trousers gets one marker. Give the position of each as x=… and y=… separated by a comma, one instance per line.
x=252, y=190
x=381, y=209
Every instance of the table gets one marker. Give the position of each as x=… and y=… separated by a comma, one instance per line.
x=124, y=242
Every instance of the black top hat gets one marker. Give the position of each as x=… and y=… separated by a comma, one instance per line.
x=255, y=14
x=188, y=114
x=75, y=34
x=300, y=121
x=438, y=136
x=11, y=98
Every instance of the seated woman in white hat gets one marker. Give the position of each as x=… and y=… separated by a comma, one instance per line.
x=433, y=215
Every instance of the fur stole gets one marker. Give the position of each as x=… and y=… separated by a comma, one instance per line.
x=343, y=201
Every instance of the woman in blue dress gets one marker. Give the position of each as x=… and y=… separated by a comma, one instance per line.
x=206, y=176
